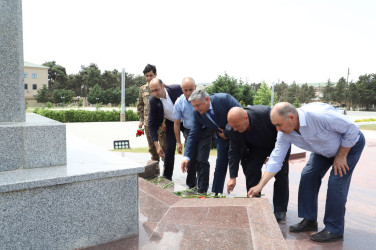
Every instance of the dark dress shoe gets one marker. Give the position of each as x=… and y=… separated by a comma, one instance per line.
x=303, y=226
x=201, y=191
x=279, y=216
x=326, y=236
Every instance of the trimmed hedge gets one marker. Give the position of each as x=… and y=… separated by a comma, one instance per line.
x=85, y=115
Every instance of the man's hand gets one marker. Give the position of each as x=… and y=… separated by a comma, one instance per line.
x=160, y=151
x=340, y=165
x=231, y=185
x=221, y=134
x=254, y=191
x=184, y=166
x=179, y=147
x=163, y=126
x=140, y=124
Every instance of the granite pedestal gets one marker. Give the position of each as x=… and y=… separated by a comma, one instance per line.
x=91, y=200
x=37, y=142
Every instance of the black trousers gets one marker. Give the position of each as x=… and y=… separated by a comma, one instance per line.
x=169, y=159
x=199, y=161
x=252, y=171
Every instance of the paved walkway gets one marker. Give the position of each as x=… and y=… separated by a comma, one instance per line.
x=360, y=229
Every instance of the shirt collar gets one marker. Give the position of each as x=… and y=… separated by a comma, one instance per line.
x=167, y=96
x=211, y=107
x=302, y=120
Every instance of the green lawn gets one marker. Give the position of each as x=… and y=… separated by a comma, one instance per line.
x=368, y=127
x=213, y=152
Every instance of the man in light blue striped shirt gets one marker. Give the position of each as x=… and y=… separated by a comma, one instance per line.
x=335, y=141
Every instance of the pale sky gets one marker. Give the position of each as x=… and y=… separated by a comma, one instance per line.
x=302, y=40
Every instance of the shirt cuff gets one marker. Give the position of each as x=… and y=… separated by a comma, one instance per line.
x=186, y=158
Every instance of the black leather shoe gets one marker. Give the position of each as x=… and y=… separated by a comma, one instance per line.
x=279, y=216
x=303, y=226
x=326, y=236
x=201, y=191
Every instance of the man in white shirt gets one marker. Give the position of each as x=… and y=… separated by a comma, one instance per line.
x=161, y=108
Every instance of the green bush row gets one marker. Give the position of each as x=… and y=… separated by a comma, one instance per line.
x=85, y=115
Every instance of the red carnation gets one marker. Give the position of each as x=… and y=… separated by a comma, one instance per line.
x=139, y=132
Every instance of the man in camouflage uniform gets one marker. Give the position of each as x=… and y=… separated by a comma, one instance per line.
x=144, y=95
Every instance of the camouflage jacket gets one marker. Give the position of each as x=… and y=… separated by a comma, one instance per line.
x=143, y=103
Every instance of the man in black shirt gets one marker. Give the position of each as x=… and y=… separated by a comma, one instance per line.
x=252, y=139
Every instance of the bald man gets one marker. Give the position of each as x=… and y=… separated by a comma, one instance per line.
x=161, y=108
x=335, y=142
x=252, y=139
x=198, y=166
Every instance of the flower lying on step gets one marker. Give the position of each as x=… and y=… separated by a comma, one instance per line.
x=140, y=132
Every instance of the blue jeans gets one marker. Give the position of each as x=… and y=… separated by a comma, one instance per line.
x=338, y=188
x=199, y=161
x=221, y=165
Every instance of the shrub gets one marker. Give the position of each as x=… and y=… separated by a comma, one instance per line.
x=49, y=105
x=85, y=115
x=130, y=115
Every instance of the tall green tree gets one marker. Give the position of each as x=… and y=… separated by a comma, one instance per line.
x=353, y=95
x=263, y=95
x=57, y=76
x=110, y=79
x=306, y=93
x=91, y=76
x=63, y=96
x=366, y=86
x=225, y=84
x=339, y=91
x=75, y=83
x=247, y=94
x=131, y=95
x=327, y=92
x=43, y=95
x=281, y=90
x=96, y=95
x=132, y=80
x=293, y=92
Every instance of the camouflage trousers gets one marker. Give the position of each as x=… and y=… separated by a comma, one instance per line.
x=152, y=149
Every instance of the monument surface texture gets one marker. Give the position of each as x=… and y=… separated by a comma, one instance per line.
x=51, y=198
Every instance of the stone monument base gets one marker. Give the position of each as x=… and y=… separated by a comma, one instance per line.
x=37, y=142
x=91, y=200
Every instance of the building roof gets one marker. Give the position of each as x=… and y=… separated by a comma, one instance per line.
x=315, y=85
x=33, y=65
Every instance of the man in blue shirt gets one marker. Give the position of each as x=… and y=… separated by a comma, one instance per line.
x=335, y=141
x=183, y=110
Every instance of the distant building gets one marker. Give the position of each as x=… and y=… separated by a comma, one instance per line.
x=35, y=76
x=203, y=85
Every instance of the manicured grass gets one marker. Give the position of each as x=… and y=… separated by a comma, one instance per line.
x=213, y=152
x=368, y=127
x=366, y=120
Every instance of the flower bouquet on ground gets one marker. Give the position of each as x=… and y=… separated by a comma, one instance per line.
x=139, y=132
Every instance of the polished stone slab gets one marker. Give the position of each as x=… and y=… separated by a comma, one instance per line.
x=170, y=222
